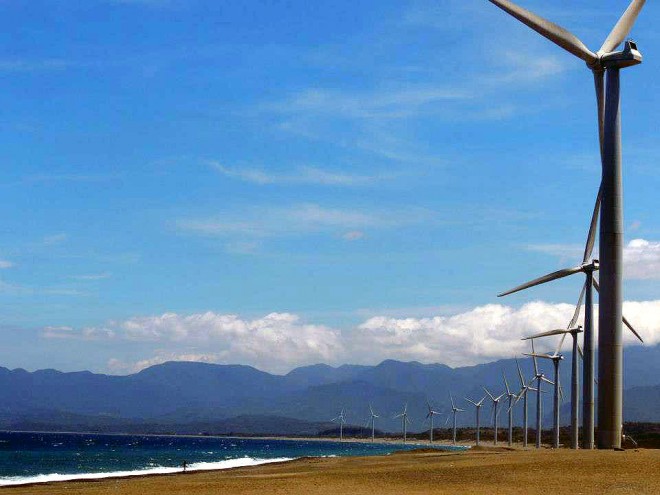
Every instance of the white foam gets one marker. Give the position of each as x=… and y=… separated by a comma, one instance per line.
x=197, y=466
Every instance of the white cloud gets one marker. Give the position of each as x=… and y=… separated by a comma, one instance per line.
x=55, y=239
x=301, y=219
x=353, y=235
x=122, y=367
x=279, y=342
x=91, y=276
x=641, y=260
x=485, y=333
x=374, y=104
x=61, y=332
x=4, y=264
x=301, y=175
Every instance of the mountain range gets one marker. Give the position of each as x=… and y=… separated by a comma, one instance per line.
x=188, y=397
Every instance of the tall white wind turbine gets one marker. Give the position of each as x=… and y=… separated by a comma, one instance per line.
x=605, y=62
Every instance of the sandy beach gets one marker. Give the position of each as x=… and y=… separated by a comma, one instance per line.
x=424, y=471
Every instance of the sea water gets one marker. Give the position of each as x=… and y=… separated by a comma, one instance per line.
x=42, y=457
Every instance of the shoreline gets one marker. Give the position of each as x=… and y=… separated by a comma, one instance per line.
x=217, y=465
x=484, y=470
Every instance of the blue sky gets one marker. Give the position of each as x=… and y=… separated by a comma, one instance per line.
x=334, y=164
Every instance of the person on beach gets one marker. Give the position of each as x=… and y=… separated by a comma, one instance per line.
x=185, y=466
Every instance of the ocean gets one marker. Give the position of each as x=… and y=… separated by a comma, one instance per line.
x=42, y=457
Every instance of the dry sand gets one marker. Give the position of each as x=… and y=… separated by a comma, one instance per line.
x=480, y=471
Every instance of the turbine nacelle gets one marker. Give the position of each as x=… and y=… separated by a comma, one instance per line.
x=627, y=57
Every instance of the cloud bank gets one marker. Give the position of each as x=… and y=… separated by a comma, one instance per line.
x=278, y=342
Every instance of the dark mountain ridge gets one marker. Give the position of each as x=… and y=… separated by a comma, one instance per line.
x=187, y=393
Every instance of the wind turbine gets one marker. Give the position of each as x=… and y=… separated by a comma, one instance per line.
x=510, y=395
x=404, y=421
x=429, y=416
x=524, y=388
x=610, y=202
x=454, y=410
x=575, y=402
x=556, y=358
x=372, y=419
x=540, y=378
x=477, y=406
x=496, y=402
x=342, y=420
x=588, y=268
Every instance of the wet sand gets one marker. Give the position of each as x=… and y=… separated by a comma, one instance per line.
x=488, y=471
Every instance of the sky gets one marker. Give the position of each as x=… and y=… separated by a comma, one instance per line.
x=281, y=183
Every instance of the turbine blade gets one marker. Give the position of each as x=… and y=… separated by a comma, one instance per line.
x=489, y=394
x=623, y=27
x=545, y=278
x=536, y=366
x=580, y=352
x=561, y=392
x=520, y=375
x=470, y=401
x=578, y=307
x=547, y=381
x=557, y=34
x=544, y=356
x=591, y=237
x=453, y=406
x=506, y=383
x=625, y=320
x=627, y=323
x=549, y=333
x=447, y=420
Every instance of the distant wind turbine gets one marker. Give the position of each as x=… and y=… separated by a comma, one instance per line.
x=540, y=378
x=477, y=406
x=575, y=401
x=496, y=402
x=342, y=420
x=429, y=416
x=524, y=388
x=372, y=420
x=404, y=421
x=511, y=396
x=454, y=410
x=556, y=359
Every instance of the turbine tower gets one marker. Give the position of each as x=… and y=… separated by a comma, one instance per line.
x=372, y=419
x=429, y=417
x=477, y=406
x=454, y=410
x=496, y=402
x=511, y=396
x=524, y=388
x=575, y=402
x=540, y=378
x=404, y=421
x=604, y=61
x=342, y=420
